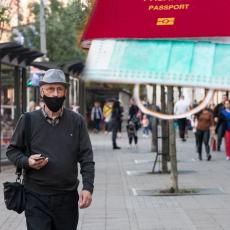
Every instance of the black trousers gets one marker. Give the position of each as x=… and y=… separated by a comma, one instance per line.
x=97, y=124
x=131, y=138
x=220, y=134
x=51, y=212
x=203, y=136
x=115, y=128
x=182, y=126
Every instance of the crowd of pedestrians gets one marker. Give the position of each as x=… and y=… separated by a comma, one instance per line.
x=210, y=125
x=110, y=116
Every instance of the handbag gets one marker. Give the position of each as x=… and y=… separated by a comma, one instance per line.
x=14, y=192
x=14, y=196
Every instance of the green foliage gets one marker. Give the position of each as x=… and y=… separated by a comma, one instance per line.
x=4, y=19
x=3, y=14
x=63, y=25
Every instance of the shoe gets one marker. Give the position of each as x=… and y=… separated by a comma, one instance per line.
x=183, y=139
x=209, y=157
x=200, y=157
x=227, y=158
x=218, y=148
x=116, y=147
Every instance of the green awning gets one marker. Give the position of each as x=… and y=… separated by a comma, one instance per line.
x=182, y=63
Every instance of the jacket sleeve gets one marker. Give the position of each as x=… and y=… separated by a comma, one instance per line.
x=85, y=158
x=17, y=147
x=217, y=111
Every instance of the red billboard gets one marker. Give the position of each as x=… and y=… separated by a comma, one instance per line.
x=144, y=19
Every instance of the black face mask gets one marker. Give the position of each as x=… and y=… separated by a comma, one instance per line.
x=54, y=103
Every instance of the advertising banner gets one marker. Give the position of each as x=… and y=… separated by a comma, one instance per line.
x=150, y=19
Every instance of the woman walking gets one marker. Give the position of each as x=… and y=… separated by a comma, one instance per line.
x=204, y=122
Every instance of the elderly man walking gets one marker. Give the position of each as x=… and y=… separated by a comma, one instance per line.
x=59, y=141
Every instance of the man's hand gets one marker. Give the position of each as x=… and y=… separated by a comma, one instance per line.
x=85, y=199
x=36, y=162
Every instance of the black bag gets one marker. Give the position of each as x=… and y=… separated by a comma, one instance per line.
x=14, y=196
x=14, y=192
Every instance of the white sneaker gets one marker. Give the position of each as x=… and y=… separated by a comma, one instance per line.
x=227, y=158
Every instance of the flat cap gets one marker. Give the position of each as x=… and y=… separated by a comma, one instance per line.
x=54, y=76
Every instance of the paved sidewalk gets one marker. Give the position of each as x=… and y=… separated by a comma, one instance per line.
x=116, y=208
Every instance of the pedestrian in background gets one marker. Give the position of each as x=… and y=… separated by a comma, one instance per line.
x=219, y=122
x=225, y=119
x=204, y=123
x=145, y=125
x=107, y=112
x=96, y=116
x=134, y=114
x=181, y=107
x=59, y=141
x=115, y=122
x=132, y=134
x=120, y=124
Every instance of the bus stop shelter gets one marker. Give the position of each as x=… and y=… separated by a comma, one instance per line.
x=18, y=58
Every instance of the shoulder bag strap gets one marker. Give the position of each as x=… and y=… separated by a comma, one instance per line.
x=28, y=133
x=28, y=142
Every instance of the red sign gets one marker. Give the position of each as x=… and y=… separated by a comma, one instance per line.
x=144, y=19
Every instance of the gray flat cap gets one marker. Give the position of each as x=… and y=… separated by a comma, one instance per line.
x=54, y=76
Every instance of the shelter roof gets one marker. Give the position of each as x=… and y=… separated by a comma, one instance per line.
x=68, y=68
x=14, y=54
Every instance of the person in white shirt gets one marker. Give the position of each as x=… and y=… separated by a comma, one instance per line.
x=181, y=107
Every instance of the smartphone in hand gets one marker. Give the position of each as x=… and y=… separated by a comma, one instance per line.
x=40, y=158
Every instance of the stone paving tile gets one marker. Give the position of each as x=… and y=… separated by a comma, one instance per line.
x=115, y=208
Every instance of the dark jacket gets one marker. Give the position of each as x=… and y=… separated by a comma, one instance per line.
x=133, y=110
x=116, y=112
x=225, y=121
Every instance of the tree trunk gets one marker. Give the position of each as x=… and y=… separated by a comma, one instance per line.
x=164, y=134
x=154, y=145
x=172, y=143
